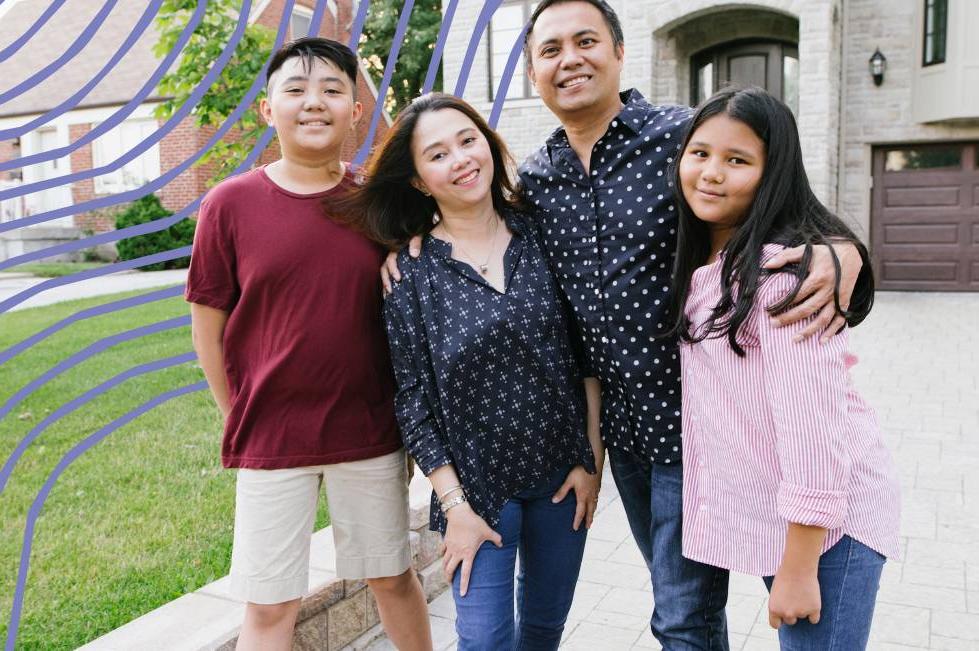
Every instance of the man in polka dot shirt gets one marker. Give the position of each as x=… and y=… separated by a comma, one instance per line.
x=601, y=184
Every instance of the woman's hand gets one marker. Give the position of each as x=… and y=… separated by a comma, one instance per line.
x=464, y=535
x=794, y=597
x=815, y=296
x=586, y=487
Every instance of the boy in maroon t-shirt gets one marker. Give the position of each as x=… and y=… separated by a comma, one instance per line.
x=287, y=325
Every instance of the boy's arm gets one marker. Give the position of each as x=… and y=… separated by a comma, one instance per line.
x=207, y=331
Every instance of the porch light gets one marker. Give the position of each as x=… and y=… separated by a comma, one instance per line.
x=878, y=64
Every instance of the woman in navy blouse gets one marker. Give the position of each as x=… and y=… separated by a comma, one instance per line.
x=490, y=400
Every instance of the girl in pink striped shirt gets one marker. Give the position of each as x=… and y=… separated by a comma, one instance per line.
x=785, y=472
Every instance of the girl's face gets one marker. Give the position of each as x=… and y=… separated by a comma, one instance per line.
x=452, y=159
x=720, y=171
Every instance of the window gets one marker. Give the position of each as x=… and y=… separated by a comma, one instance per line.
x=771, y=65
x=505, y=27
x=936, y=29
x=300, y=22
x=922, y=158
x=113, y=145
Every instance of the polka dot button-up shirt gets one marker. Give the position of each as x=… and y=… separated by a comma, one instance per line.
x=611, y=236
x=487, y=381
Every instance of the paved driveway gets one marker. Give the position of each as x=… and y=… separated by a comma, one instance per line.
x=919, y=367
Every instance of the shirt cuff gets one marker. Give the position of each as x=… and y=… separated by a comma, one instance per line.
x=810, y=506
x=430, y=460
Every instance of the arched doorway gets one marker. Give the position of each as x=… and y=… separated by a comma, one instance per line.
x=770, y=64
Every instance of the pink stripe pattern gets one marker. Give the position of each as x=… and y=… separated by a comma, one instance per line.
x=778, y=436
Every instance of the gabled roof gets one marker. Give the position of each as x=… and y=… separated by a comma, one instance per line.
x=53, y=39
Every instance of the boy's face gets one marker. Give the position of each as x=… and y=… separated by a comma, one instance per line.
x=312, y=110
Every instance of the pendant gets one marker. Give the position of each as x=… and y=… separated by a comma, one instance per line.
x=483, y=268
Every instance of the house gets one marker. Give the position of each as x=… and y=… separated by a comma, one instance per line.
x=119, y=87
x=894, y=150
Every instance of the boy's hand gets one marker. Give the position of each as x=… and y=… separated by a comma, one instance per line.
x=794, y=597
x=816, y=294
x=389, y=270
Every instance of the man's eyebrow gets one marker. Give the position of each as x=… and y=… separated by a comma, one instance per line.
x=578, y=34
x=458, y=133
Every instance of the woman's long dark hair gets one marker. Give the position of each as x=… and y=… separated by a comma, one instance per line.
x=785, y=211
x=386, y=206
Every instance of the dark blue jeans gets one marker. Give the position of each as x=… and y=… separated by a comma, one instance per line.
x=849, y=575
x=690, y=596
x=550, y=556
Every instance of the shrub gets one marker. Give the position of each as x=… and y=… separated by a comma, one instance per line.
x=142, y=211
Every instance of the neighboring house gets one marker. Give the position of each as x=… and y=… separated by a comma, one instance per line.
x=118, y=88
x=900, y=159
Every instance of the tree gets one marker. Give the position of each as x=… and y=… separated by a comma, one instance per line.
x=204, y=47
x=416, y=52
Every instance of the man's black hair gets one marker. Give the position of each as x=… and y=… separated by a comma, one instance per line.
x=314, y=47
x=608, y=14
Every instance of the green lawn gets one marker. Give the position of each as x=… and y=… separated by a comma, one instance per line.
x=55, y=269
x=140, y=519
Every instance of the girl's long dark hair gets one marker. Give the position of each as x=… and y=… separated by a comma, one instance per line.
x=784, y=211
x=386, y=206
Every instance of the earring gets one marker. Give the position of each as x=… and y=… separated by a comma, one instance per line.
x=436, y=219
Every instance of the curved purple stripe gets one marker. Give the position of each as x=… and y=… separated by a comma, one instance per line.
x=9, y=51
x=145, y=144
x=489, y=8
x=511, y=65
x=111, y=121
x=399, y=37
x=164, y=256
x=358, y=26
x=42, y=496
x=85, y=353
x=83, y=400
x=316, y=21
x=72, y=51
x=433, y=65
x=88, y=313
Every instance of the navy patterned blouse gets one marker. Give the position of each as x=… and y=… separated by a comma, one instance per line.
x=611, y=237
x=487, y=381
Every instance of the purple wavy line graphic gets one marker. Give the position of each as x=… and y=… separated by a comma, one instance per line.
x=83, y=400
x=145, y=144
x=399, y=37
x=508, y=70
x=358, y=25
x=433, y=66
x=489, y=8
x=77, y=45
x=19, y=42
x=113, y=120
x=42, y=496
x=99, y=310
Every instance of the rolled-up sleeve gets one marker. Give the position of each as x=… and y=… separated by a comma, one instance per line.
x=419, y=428
x=806, y=385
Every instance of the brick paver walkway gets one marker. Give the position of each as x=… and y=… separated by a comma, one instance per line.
x=919, y=367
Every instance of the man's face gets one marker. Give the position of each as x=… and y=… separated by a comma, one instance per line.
x=312, y=110
x=574, y=64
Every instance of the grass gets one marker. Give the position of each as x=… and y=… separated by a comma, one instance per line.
x=56, y=269
x=141, y=518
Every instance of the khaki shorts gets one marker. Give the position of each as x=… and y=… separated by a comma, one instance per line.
x=274, y=515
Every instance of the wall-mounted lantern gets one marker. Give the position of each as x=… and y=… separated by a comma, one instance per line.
x=878, y=64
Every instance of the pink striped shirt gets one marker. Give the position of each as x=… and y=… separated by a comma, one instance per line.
x=778, y=436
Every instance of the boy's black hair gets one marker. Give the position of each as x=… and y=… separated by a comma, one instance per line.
x=315, y=47
x=784, y=211
x=608, y=14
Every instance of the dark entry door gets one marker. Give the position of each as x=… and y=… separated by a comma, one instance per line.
x=771, y=65
x=925, y=217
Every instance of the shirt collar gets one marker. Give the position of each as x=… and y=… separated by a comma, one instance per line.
x=633, y=115
x=516, y=225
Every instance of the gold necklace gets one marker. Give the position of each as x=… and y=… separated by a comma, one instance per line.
x=484, y=267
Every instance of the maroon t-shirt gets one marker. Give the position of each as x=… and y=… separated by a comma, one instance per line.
x=305, y=352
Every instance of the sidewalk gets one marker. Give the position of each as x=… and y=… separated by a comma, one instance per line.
x=919, y=368
x=12, y=284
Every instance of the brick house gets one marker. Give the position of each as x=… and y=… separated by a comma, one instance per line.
x=898, y=159
x=115, y=90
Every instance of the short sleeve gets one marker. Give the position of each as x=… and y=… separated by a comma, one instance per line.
x=212, y=279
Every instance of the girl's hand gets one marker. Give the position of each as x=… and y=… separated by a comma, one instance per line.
x=464, y=534
x=794, y=597
x=586, y=487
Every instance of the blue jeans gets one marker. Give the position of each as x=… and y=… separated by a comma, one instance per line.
x=690, y=596
x=550, y=557
x=849, y=575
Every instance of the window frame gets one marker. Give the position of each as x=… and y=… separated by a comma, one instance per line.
x=304, y=12
x=931, y=31
x=116, y=181
x=528, y=88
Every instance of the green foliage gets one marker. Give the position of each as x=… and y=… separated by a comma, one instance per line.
x=211, y=36
x=416, y=52
x=144, y=210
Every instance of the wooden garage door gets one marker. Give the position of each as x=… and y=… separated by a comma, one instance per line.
x=925, y=219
